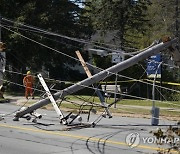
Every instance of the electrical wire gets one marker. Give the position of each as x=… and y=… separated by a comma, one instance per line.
x=38, y=30
x=40, y=35
x=92, y=88
x=131, y=96
x=64, y=53
x=11, y=113
x=76, y=40
x=62, y=36
x=130, y=54
x=93, y=105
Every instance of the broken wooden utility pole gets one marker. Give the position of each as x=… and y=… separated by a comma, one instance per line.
x=99, y=94
x=99, y=76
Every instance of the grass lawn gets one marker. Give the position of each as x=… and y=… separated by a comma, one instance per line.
x=125, y=106
x=172, y=104
x=130, y=106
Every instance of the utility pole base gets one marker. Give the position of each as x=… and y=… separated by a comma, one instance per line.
x=15, y=119
x=155, y=116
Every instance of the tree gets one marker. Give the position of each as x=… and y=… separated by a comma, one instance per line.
x=126, y=16
x=162, y=17
x=59, y=16
x=126, y=19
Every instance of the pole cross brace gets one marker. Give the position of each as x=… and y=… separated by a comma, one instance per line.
x=51, y=98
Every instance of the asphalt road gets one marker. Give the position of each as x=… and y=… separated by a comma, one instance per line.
x=48, y=136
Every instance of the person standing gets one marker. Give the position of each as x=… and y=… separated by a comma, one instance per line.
x=28, y=82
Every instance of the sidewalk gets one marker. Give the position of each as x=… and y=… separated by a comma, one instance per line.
x=18, y=100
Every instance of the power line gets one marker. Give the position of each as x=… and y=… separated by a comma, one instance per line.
x=26, y=37
x=44, y=45
x=127, y=95
x=79, y=60
x=63, y=36
x=130, y=54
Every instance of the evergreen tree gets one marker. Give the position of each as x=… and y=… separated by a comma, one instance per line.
x=162, y=17
x=59, y=16
x=127, y=17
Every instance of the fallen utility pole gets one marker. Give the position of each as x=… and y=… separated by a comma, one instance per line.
x=99, y=76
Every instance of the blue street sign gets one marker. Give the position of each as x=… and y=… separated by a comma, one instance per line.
x=152, y=66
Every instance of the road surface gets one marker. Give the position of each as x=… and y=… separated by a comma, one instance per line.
x=48, y=136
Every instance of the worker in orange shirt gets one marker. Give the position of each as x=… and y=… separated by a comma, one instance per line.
x=28, y=82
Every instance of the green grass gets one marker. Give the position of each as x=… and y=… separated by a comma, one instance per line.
x=124, y=110
x=175, y=104
x=129, y=109
x=125, y=106
x=145, y=112
x=172, y=104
